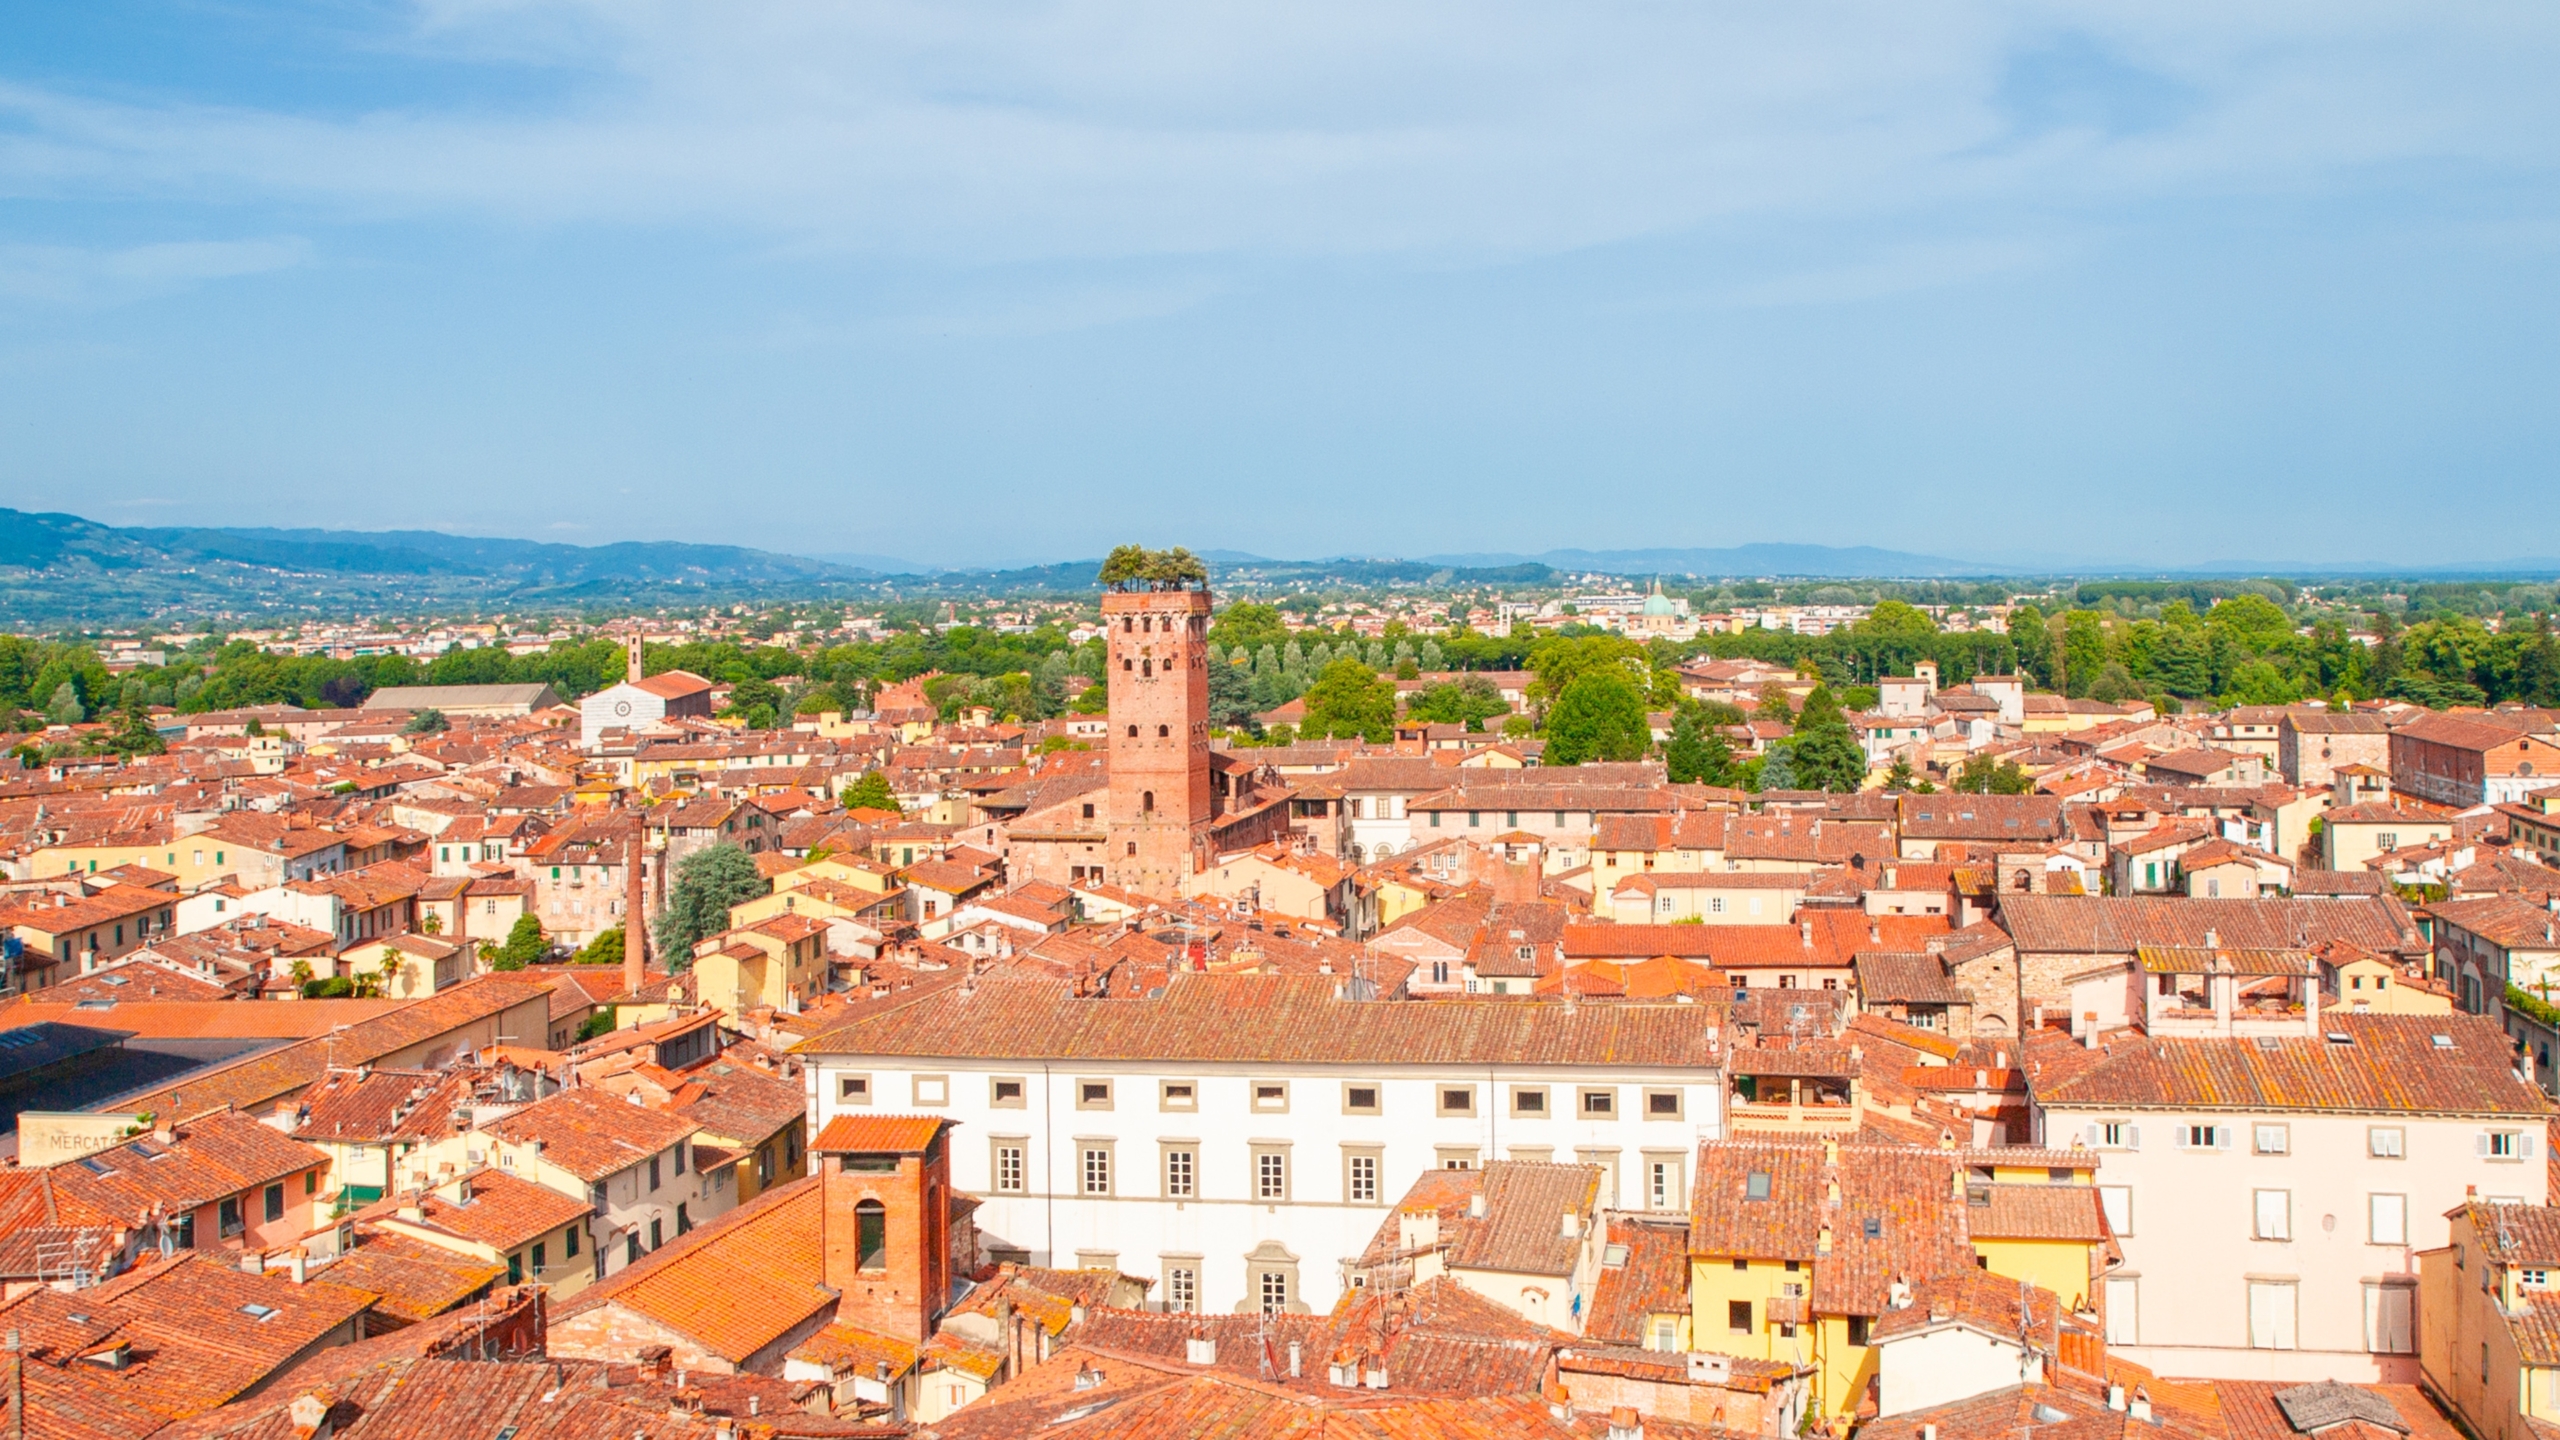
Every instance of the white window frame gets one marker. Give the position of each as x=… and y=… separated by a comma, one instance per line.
x=2386, y=1219
x=2117, y=1202
x=2271, y=1214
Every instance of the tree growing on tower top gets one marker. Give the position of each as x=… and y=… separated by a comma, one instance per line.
x=1135, y=567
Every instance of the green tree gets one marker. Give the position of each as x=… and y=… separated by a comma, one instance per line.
x=2253, y=622
x=135, y=735
x=1826, y=754
x=63, y=707
x=525, y=944
x=1697, y=754
x=1559, y=662
x=1469, y=700
x=2084, y=650
x=605, y=949
x=2034, y=640
x=2259, y=683
x=1981, y=775
x=1599, y=716
x=708, y=882
x=1349, y=701
x=2114, y=683
x=2538, y=666
x=426, y=722
x=1231, y=704
x=871, y=792
x=1902, y=778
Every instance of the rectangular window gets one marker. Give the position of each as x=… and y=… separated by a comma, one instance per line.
x=1270, y=1174
x=2384, y=1142
x=569, y=1242
x=2270, y=1140
x=1181, y=1172
x=654, y=1173
x=2117, y=1201
x=2273, y=1212
x=2271, y=1314
x=1529, y=1102
x=1664, y=1173
x=2506, y=1145
x=1273, y=1290
x=1005, y=1092
x=2204, y=1137
x=1360, y=1177
x=1177, y=1096
x=2386, y=1219
x=2124, y=1310
x=1455, y=1157
x=853, y=1089
x=1737, y=1316
x=933, y=1090
x=1097, y=1169
x=2390, y=1319
x=1181, y=1288
x=1662, y=1105
x=1600, y=1104
x=1271, y=1097
x=1008, y=1167
x=541, y=1257
x=1457, y=1100
x=275, y=1202
x=1093, y=1094
x=1360, y=1100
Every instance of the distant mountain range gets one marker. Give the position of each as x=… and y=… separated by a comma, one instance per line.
x=1827, y=561
x=57, y=569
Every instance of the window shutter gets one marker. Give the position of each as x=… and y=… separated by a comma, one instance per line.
x=2133, y=1137
x=2091, y=1134
x=2178, y=1137
x=2524, y=1146
x=2222, y=1136
x=2480, y=1143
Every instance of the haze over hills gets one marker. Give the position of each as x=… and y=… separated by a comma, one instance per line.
x=57, y=568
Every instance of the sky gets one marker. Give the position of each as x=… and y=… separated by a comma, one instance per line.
x=984, y=283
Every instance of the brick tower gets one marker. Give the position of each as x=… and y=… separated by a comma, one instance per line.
x=885, y=1238
x=1160, y=797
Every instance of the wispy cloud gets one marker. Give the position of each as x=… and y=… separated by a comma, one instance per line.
x=70, y=275
x=1149, y=127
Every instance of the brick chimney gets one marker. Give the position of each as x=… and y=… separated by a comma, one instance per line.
x=887, y=1227
x=635, y=918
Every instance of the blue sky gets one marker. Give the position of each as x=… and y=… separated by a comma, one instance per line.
x=2134, y=283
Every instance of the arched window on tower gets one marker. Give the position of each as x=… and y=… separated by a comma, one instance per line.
x=1146, y=667
x=1164, y=732
x=1133, y=732
x=870, y=1236
x=1146, y=802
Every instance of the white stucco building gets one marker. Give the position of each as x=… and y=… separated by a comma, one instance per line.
x=2271, y=1193
x=1239, y=1139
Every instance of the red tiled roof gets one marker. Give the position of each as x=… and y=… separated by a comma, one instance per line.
x=876, y=1134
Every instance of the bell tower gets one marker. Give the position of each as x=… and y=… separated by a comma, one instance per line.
x=1159, y=686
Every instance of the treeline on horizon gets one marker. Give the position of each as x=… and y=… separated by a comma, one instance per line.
x=2122, y=640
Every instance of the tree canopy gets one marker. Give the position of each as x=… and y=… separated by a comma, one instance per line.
x=1350, y=700
x=708, y=882
x=1134, y=567
x=1600, y=716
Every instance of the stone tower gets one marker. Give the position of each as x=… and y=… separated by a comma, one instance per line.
x=1160, y=797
